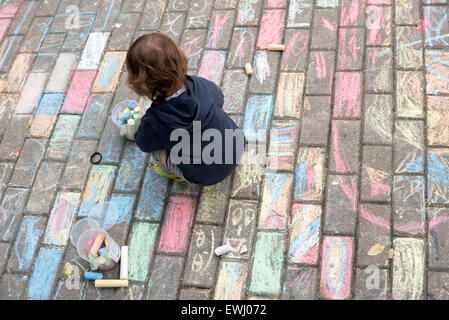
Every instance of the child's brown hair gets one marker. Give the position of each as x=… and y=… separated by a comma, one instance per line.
x=156, y=66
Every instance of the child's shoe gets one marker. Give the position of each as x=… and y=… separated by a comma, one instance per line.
x=166, y=174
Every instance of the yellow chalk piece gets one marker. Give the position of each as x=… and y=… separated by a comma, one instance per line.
x=111, y=283
x=276, y=47
x=68, y=269
x=249, y=69
x=390, y=254
x=376, y=249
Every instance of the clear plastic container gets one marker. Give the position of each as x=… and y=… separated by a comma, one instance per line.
x=115, y=116
x=101, y=218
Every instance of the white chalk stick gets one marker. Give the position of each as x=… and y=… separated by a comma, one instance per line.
x=124, y=263
x=111, y=283
x=222, y=250
x=131, y=127
x=243, y=249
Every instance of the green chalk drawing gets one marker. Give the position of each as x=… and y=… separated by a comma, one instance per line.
x=267, y=265
x=141, y=250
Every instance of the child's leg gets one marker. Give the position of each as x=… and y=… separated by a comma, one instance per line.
x=162, y=159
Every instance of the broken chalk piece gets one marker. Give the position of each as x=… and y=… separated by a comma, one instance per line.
x=111, y=283
x=124, y=262
x=92, y=275
x=243, y=249
x=97, y=244
x=390, y=254
x=68, y=269
x=101, y=251
x=249, y=69
x=222, y=250
x=276, y=47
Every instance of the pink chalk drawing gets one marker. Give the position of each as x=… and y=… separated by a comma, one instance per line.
x=336, y=268
x=375, y=23
x=217, y=29
x=347, y=95
x=271, y=28
x=368, y=216
x=378, y=189
x=4, y=24
x=212, y=66
x=328, y=25
x=320, y=64
x=276, y=3
x=345, y=60
x=349, y=12
x=177, y=225
x=8, y=11
x=78, y=93
x=423, y=24
x=294, y=48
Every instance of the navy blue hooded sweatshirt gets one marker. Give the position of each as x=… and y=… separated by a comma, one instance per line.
x=201, y=101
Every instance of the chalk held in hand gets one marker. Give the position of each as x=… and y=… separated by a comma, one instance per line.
x=97, y=244
x=249, y=69
x=222, y=250
x=110, y=283
x=93, y=275
x=124, y=263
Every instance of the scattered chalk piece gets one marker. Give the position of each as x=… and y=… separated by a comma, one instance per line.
x=276, y=47
x=68, y=269
x=390, y=254
x=93, y=275
x=243, y=249
x=249, y=69
x=222, y=250
x=110, y=283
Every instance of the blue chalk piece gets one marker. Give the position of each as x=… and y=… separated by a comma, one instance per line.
x=131, y=105
x=126, y=115
x=121, y=121
x=101, y=251
x=93, y=275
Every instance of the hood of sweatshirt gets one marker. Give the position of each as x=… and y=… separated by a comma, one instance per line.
x=196, y=103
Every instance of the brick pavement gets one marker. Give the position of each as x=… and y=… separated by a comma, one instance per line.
x=354, y=116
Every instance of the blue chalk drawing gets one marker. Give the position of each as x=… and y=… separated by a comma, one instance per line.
x=306, y=239
x=125, y=205
x=50, y=104
x=437, y=179
x=258, y=117
x=94, y=116
x=131, y=170
x=153, y=192
x=26, y=242
x=300, y=178
x=341, y=272
x=44, y=273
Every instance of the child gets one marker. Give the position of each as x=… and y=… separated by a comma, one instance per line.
x=181, y=106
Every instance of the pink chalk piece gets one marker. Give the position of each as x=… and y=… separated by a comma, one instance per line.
x=17, y=154
x=347, y=95
x=4, y=24
x=271, y=28
x=336, y=267
x=178, y=221
x=78, y=92
x=349, y=12
x=8, y=11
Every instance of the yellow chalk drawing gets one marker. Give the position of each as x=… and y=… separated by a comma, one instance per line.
x=408, y=268
x=376, y=175
x=249, y=171
x=409, y=134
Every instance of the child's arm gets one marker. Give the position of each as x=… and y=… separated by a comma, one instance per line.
x=146, y=138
